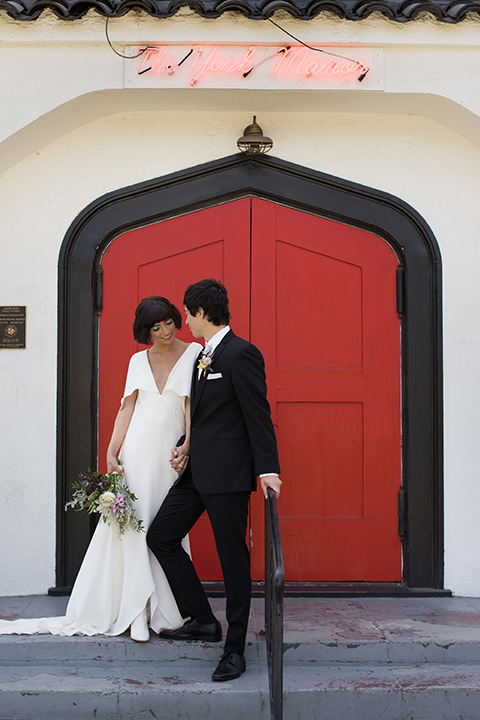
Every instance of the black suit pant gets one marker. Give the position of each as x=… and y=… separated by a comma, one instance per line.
x=228, y=513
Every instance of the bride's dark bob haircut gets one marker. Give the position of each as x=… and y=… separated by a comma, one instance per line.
x=150, y=311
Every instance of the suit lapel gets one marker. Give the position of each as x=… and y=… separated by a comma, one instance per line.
x=193, y=387
x=198, y=386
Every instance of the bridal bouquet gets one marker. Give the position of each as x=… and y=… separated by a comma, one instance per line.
x=107, y=495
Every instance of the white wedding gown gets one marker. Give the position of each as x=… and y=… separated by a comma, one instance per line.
x=119, y=575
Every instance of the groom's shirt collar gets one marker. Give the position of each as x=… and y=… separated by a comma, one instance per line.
x=215, y=341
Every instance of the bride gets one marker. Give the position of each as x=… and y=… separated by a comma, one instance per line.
x=120, y=584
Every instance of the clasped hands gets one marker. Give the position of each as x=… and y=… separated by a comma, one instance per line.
x=179, y=458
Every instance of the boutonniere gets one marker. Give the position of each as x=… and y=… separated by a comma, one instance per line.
x=205, y=363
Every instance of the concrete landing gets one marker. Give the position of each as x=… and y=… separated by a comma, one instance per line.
x=386, y=658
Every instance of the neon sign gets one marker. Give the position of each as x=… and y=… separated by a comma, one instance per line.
x=254, y=66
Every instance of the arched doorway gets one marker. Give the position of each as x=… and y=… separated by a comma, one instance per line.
x=321, y=199
x=319, y=299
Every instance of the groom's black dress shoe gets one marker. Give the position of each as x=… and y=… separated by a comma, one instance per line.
x=231, y=666
x=192, y=630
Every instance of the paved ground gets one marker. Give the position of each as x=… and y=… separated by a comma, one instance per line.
x=344, y=659
x=388, y=621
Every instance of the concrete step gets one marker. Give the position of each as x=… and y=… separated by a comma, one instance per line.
x=118, y=691
x=100, y=649
x=50, y=678
x=179, y=690
x=343, y=660
x=432, y=692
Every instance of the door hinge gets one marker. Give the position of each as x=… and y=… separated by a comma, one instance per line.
x=400, y=290
x=98, y=290
x=402, y=512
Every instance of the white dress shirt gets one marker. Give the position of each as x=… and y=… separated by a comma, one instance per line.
x=215, y=341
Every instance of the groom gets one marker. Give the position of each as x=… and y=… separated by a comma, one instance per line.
x=232, y=441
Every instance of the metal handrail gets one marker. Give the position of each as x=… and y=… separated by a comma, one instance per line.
x=274, y=586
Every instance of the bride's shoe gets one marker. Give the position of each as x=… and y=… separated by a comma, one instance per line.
x=139, y=628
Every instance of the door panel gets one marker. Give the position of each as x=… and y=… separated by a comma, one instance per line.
x=162, y=259
x=329, y=291
x=318, y=298
x=338, y=491
x=326, y=292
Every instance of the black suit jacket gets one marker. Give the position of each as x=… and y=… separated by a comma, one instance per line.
x=232, y=435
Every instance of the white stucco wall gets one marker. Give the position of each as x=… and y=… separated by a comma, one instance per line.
x=72, y=133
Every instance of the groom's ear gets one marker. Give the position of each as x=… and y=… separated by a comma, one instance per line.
x=201, y=312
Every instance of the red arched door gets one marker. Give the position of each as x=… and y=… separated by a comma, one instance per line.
x=318, y=298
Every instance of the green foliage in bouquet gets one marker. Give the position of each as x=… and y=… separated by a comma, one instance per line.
x=107, y=495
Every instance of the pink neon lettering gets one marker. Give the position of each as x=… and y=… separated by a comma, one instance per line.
x=282, y=65
x=213, y=64
x=146, y=60
x=245, y=63
x=159, y=64
x=350, y=67
x=287, y=62
x=315, y=68
x=302, y=55
x=200, y=68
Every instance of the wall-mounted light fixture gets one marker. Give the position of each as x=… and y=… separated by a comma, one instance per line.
x=253, y=141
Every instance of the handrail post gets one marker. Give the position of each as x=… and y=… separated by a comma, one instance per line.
x=274, y=587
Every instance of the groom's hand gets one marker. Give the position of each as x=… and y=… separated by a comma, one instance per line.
x=178, y=459
x=272, y=481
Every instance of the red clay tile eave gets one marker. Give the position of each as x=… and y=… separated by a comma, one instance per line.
x=445, y=11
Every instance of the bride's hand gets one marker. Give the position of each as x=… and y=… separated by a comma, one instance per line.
x=179, y=458
x=113, y=466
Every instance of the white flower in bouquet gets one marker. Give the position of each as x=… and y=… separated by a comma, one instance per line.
x=109, y=496
x=106, y=499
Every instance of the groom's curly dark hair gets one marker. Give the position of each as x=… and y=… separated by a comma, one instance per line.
x=210, y=295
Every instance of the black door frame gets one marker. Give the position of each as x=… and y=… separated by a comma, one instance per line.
x=420, y=307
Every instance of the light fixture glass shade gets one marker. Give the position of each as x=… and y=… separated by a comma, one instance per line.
x=253, y=141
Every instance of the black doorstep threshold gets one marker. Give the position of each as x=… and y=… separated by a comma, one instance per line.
x=317, y=590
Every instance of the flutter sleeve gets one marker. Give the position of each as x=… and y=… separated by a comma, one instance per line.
x=139, y=376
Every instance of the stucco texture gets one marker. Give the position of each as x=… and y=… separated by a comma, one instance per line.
x=70, y=139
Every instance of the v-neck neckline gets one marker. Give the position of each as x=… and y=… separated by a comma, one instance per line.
x=169, y=374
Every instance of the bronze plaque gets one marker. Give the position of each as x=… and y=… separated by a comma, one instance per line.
x=12, y=327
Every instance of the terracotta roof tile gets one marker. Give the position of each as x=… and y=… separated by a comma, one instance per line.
x=449, y=11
